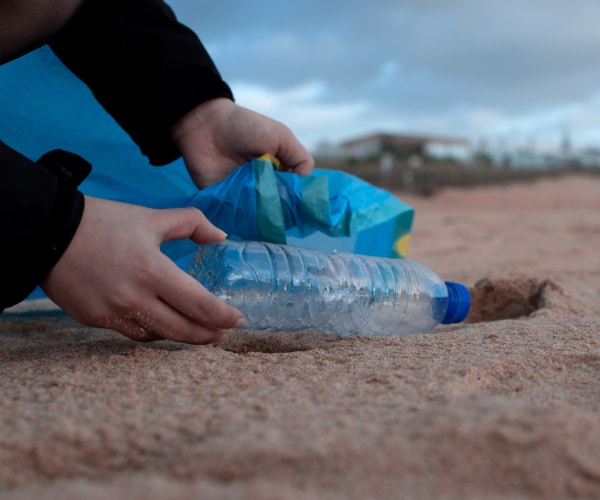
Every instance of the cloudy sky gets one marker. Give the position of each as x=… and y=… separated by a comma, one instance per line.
x=511, y=71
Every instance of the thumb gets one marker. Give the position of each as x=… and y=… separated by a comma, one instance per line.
x=292, y=154
x=183, y=223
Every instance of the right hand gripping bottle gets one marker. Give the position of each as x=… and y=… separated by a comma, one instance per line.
x=287, y=288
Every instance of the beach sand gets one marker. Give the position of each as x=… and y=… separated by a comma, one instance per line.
x=506, y=405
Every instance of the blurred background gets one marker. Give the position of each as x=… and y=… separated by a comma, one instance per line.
x=414, y=94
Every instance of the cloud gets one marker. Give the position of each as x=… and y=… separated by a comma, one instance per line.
x=466, y=66
x=303, y=111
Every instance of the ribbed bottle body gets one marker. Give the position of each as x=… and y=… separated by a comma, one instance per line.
x=281, y=287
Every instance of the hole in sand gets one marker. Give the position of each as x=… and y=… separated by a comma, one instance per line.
x=493, y=300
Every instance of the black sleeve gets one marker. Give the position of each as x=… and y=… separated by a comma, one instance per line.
x=144, y=67
x=39, y=214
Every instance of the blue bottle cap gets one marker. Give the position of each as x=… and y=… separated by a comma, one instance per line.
x=459, y=303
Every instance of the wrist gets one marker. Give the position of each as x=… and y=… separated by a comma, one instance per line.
x=205, y=113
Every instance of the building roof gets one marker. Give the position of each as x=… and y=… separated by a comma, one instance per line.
x=402, y=140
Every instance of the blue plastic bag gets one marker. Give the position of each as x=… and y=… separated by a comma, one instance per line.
x=329, y=210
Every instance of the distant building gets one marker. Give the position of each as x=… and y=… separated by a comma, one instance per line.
x=426, y=146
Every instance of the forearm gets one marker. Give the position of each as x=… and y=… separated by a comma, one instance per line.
x=144, y=67
x=39, y=213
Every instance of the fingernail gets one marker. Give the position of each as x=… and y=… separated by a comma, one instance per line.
x=239, y=323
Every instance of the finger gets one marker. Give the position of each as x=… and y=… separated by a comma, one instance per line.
x=129, y=326
x=292, y=154
x=141, y=334
x=171, y=324
x=183, y=223
x=186, y=295
x=158, y=321
x=135, y=331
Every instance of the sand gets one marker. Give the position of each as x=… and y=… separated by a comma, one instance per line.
x=506, y=405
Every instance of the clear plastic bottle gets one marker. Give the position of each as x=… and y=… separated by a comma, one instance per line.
x=287, y=288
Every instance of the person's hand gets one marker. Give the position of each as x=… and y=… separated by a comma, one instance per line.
x=218, y=136
x=113, y=275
